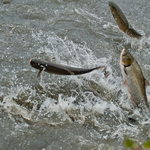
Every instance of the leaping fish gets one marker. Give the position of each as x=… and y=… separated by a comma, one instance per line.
x=122, y=21
x=58, y=68
x=133, y=78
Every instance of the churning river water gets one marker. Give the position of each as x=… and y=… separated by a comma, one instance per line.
x=57, y=112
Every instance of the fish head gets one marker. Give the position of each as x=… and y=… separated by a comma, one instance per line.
x=37, y=64
x=112, y=6
x=126, y=58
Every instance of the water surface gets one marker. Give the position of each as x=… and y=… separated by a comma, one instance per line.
x=62, y=112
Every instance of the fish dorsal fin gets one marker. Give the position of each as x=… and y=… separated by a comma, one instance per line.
x=146, y=83
x=48, y=59
x=101, y=67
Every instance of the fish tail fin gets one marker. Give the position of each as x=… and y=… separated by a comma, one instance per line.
x=106, y=73
x=100, y=67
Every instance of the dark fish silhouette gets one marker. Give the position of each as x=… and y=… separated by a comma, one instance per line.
x=133, y=78
x=122, y=21
x=58, y=68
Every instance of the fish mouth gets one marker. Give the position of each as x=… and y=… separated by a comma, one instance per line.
x=123, y=52
x=126, y=59
x=30, y=61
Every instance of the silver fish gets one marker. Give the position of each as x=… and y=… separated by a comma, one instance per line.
x=122, y=21
x=133, y=78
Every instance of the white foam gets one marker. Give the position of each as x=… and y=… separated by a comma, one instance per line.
x=11, y=106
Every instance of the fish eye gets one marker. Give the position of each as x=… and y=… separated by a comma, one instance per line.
x=126, y=59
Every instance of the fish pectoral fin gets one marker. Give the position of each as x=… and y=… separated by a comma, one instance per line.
x=119, y=28
x=39, y=73
x=146, y=83
x=71, y=73
x=131, y=97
